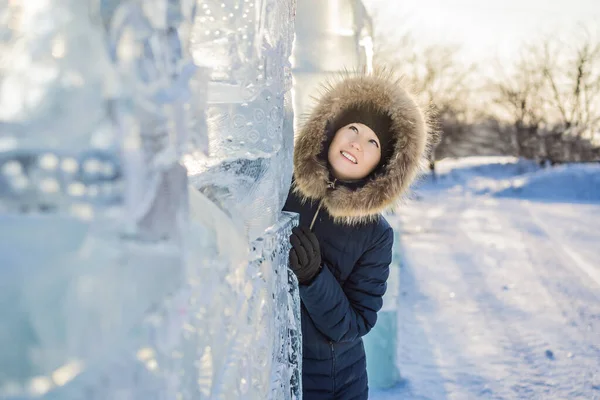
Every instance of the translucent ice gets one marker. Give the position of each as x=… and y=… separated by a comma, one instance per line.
x=332, y=36
x=120, y=280
x=249, y=109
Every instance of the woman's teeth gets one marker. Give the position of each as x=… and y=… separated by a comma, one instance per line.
x=349, y=157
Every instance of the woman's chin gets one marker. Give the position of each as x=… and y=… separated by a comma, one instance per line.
x=343, y=174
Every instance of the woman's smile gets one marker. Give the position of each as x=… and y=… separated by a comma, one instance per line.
x=349, y=156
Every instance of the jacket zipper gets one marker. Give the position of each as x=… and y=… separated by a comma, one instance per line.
x=332, y=364
x=330, y=185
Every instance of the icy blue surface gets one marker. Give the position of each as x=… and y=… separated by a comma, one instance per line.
x=382, y=341
x=123, y=277
x=380, y=347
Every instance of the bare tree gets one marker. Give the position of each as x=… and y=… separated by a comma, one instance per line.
x=546, y=103
x=519, y=99
x=552, y=98
x=574, y=82
x=438, y=78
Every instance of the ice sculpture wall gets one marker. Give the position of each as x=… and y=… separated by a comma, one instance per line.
x=122, y=277
x=331, y=36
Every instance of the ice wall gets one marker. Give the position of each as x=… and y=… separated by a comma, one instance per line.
x=331, y=36
x=122, y=277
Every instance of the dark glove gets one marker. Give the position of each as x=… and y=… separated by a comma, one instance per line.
x=305, y=254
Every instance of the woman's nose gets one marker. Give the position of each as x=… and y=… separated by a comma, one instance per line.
x=356, y=146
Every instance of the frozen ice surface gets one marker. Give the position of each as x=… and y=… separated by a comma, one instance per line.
x=327, y=33
x=381, y=342
x=247, y=174
x=119, y=279
x=249, y=114
x=332, y=36
x=250, y=349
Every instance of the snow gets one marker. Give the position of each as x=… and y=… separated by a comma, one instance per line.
x=575, y=183
x=500, y=283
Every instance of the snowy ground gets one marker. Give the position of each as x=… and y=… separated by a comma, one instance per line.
x=500, y=284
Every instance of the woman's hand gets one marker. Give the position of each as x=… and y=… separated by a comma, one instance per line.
x=305, y=254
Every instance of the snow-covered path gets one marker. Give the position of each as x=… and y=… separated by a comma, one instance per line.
x=500, y=297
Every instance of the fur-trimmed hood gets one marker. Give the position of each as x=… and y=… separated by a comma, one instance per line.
x=363, y=201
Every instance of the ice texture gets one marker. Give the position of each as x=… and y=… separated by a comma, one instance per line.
x=249, y=112
x=332, y=36
x=382, y=341
x=145, y=156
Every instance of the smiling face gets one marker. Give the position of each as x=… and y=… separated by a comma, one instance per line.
x=354, y=152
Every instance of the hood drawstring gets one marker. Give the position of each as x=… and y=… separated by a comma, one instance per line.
x=330, y=186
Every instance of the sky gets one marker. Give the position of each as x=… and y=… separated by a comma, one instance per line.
x=484, y=29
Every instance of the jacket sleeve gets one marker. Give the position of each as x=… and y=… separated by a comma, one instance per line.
x=345, y=314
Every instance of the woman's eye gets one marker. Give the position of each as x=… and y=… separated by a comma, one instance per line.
x=355, y=129
x=374, y=142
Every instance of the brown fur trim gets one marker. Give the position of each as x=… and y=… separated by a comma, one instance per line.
x=382, y=90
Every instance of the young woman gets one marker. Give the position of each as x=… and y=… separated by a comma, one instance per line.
x=358, y=152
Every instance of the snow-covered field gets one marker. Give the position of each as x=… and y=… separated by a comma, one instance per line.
x=500, y=283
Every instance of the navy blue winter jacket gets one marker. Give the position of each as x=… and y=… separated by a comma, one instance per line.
x=340, y=305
